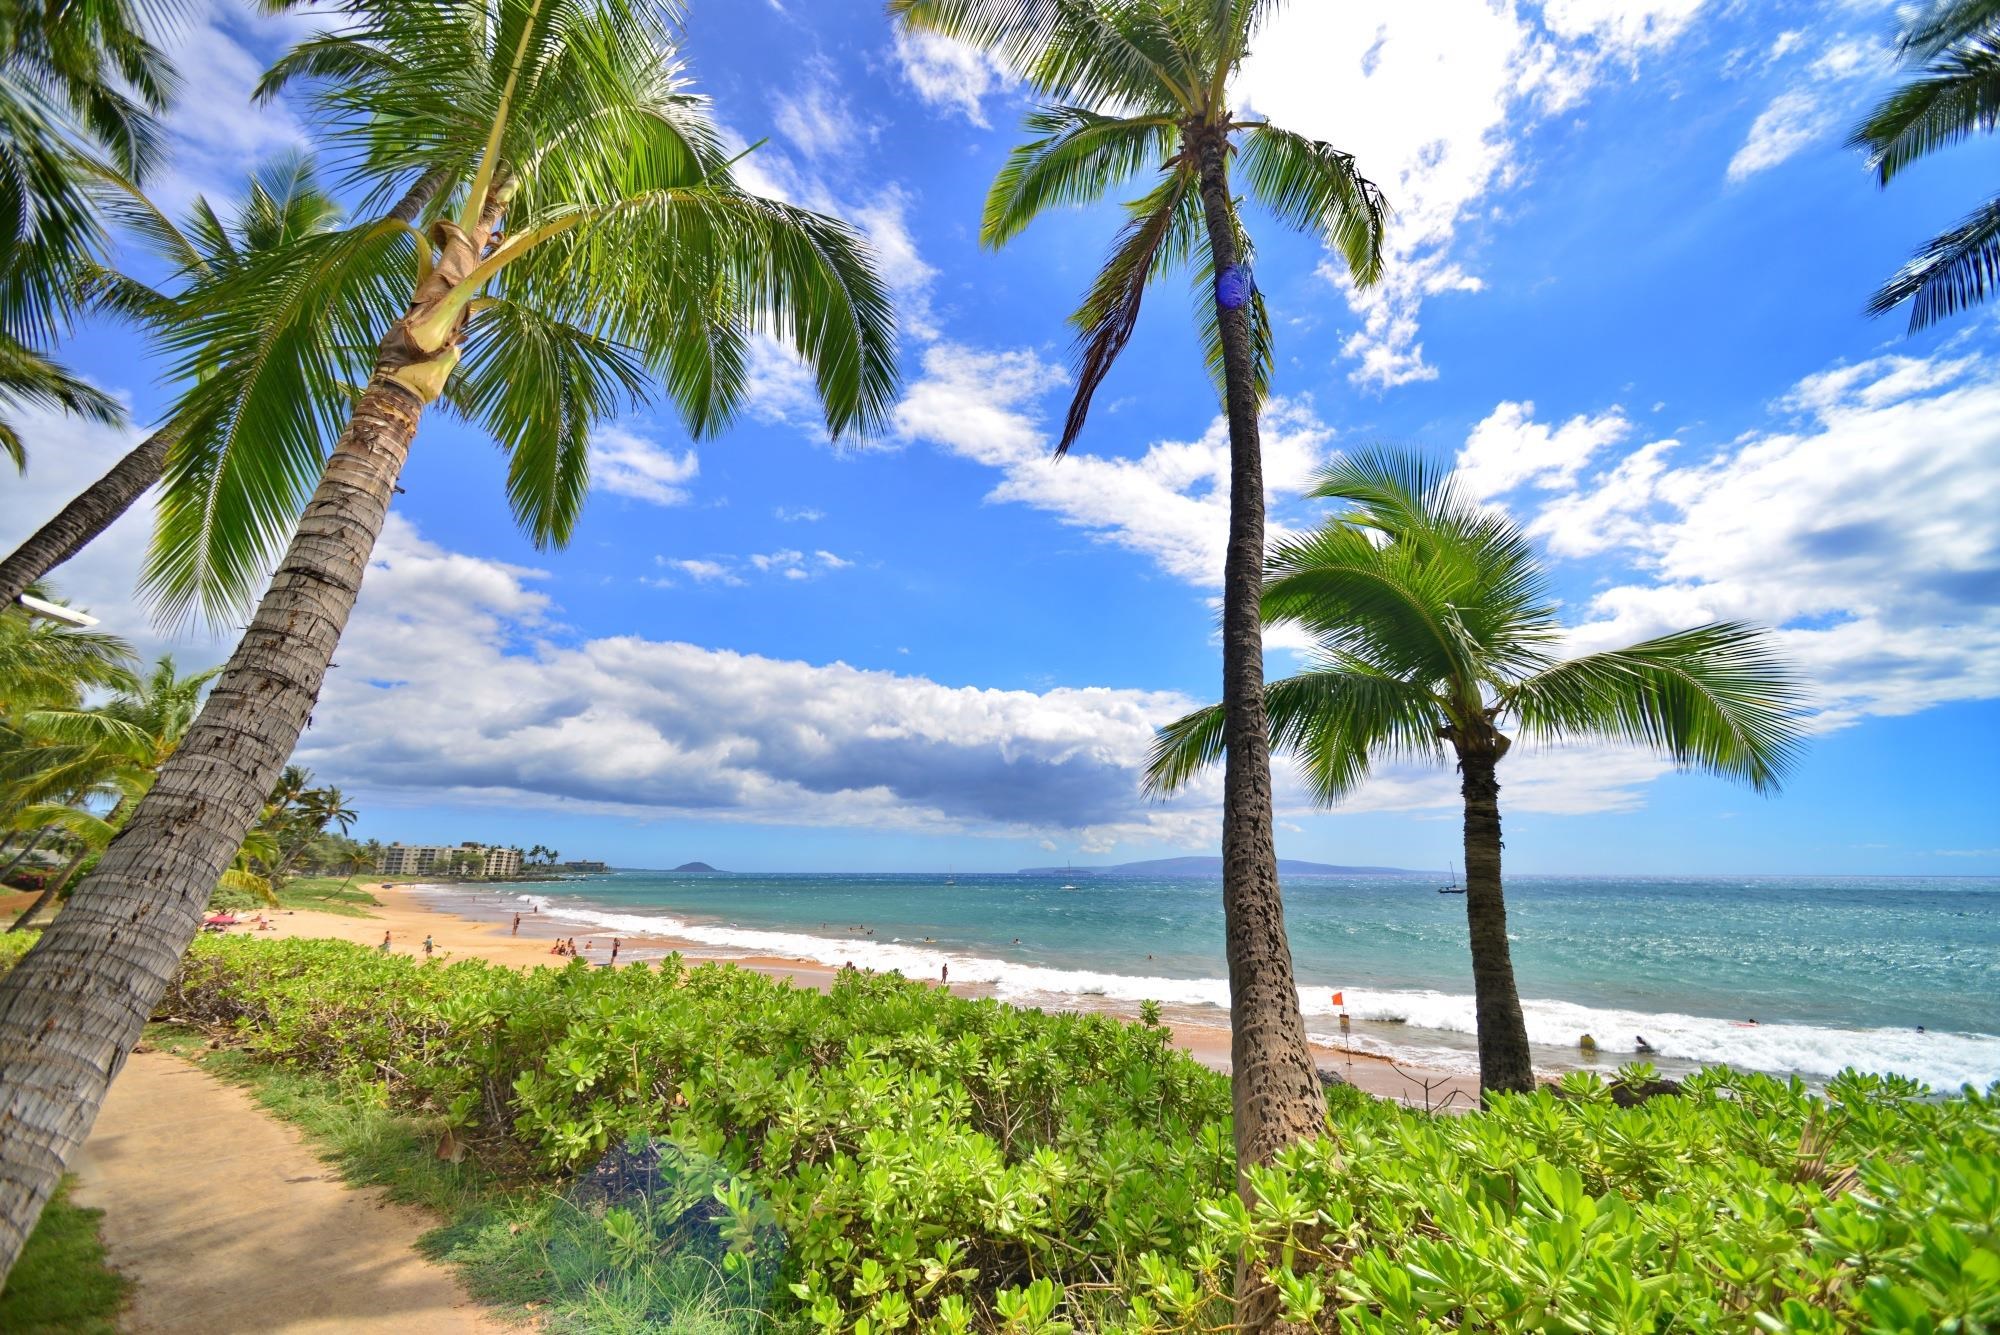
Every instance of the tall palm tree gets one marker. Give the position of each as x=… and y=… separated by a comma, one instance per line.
x=1953, y=46
x=1142, y=86
x=208, y=259
x=596, y=235
x=1435, y=629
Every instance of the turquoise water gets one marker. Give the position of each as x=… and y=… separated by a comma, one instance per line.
x=1834, y=970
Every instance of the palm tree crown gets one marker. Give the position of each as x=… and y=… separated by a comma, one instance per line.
x=1953, y=47
x=1435, y=630
x=1142, y=86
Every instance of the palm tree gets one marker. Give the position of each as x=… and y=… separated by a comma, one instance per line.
x=207, y=259
x=79, y=83
x=1954, y=48
x=1139, y=84
x=1435, y=628
x=627, y=248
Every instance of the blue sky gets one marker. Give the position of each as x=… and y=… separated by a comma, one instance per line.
x=1629, y=263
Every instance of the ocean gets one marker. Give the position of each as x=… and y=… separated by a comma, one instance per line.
x=1835, y=971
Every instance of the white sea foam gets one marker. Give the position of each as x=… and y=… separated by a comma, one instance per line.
x=1942, y=1060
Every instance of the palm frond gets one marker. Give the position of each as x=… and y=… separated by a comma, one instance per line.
x=1955, y=271
x=1929, y=31
x=537, y=386
x=1078, y=156
x=1338, y=719
x=1953, y=97
x=1080, y=52
x=1110, y=310
x=1715, y=698
x=1316, y=188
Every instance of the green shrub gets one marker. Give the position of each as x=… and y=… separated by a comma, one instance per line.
x=950, y=1165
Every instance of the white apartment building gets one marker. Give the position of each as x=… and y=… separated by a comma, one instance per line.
x=425, y=859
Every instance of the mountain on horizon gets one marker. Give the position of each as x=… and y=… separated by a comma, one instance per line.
x=1200, y=866
x=695, y=867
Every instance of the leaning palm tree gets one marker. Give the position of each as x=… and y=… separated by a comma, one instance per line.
x=1954, y=48
x=208, y=259
x=1435, y=630
x=595, y=234
x=1142, y=86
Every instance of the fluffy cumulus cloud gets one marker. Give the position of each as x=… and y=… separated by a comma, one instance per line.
x=952, y=75
x=1433, y=101
x=625, y=463
x=1867, y=529
x=1824, y=84
x=1509, y=448
x=1169, y=503
x=223, y=48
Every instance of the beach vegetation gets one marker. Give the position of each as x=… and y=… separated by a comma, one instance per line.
x=1143, y=90
x=884, y=1156
x=1434, y=630
x=1952, y=50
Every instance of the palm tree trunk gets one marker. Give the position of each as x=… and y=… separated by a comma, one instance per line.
x=49, y=891
x=1274, y=1087
x=71, y=1010
x=26, y=849
x=1504, y=1064
x=89, y=514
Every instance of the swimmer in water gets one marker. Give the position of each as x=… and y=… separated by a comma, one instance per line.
x=1644, y=1046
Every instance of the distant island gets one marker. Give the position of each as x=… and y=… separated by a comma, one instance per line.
x=694, y=866
x=1213, y=867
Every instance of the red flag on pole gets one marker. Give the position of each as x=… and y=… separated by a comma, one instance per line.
x=1337, y=1000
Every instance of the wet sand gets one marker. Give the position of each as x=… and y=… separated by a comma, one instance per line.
x=409, y=915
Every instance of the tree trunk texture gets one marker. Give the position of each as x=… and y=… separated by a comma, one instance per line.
x=1274, y=1087
x=1504, y=1064
x=74, y=1006
x=49, y=891
x=89, y=514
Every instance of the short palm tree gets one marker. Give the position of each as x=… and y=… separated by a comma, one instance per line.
x=1142, y=86
x=1954, y=48
x=595, y=239
x=254, y=417
x=1435, y=630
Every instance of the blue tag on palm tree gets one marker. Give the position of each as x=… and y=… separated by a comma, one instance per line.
x=1234, y=286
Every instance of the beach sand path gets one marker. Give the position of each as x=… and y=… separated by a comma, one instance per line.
x=227, y=1221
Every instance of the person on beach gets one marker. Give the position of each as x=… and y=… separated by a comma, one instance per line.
x=517, y=924
x=944, y=974
x=614, y=949
x=429, y=945
x=384, y=947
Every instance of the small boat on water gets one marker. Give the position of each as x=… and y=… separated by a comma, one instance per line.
x=1454, y=888
x=1069, y=887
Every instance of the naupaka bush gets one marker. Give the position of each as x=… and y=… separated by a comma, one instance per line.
x=944, y=1164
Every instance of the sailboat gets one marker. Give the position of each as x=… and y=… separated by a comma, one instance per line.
x=1067, y=869
x=1454, y=888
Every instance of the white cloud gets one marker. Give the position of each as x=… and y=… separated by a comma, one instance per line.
x=785, y=563
x=701, y=572
x=1822, y=97
x=1170, y=503
x=815, y=117
x=1509, y=448
x=219, y=135
x=802, y=515
x=951, y=74
x=1794, y=119
x=1870, y=534
x=627, y=464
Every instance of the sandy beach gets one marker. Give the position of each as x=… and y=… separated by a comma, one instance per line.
x=408, y=915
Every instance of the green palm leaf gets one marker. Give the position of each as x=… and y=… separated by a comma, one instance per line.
x=1316, y=188
x=1079, y=157
x=1952, y=98
x=1715, y=698
x=1955, y=271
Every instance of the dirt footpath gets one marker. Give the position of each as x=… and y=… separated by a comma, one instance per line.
x=228, y=1222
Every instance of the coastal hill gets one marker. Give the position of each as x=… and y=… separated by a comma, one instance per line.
x=1198, y=866
x=694, y=867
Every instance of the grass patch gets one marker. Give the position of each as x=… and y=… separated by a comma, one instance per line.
x=332, y=894
x=61, y=1282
